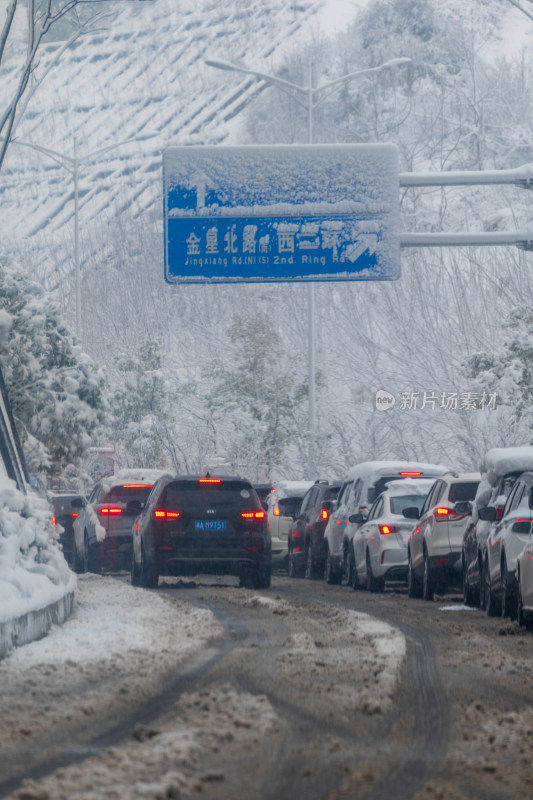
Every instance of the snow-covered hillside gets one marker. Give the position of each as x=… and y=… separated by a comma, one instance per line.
x=142, y=74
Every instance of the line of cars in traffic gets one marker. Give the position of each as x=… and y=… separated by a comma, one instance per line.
x=420, y=523
x=436, y=529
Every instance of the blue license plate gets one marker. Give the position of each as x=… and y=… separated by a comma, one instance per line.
x=210, y=525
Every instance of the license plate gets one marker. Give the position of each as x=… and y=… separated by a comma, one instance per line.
x=210, y=525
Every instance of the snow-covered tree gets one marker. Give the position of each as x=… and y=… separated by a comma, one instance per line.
x=56, y=392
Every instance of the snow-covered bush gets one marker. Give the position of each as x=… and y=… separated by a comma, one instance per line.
x=33, y=570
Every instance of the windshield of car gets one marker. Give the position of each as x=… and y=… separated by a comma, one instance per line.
x=399, y=502
x=460, y=492
x=233, y=496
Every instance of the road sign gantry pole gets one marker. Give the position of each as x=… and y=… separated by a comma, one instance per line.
x=309, y=97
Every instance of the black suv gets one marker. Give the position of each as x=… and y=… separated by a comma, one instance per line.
x=201, y=524
x=307, y=553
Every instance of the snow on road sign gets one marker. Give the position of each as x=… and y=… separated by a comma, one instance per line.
x=281, y=213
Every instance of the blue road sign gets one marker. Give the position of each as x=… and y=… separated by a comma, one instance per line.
x=281, y=213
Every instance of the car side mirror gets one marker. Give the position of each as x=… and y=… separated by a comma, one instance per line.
x=488, y=514
x=358, y=518
x=78, y=502
x=411, y=512
x=464, y=507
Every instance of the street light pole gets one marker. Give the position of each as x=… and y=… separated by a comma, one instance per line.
x=310, y=97
x=72, y=165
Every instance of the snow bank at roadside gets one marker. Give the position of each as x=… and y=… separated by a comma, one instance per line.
x=33, y=570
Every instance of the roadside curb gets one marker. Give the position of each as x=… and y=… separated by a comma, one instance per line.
x=35, y=624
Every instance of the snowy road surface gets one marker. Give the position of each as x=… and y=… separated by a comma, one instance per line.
x=202, y=689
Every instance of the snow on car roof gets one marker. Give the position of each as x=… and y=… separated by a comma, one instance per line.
x=291, y=488
x=375, y=469
x=134, y=475
x=501, y=460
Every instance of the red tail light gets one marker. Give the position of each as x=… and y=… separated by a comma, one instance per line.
x=277, y=512
x=325, y=513
x=110, y=510
x=386, y=529
x=253, y=514
x=54, y=520
x=137, y=486
x=442, y=513
x=209, y=480
x=162, y=513
x=410, y=474
x=75, y=514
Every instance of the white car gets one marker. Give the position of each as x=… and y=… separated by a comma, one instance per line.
x=283, y=504
x=362, y=486
x=380, y=543
x=436, y=543
x=507, y=539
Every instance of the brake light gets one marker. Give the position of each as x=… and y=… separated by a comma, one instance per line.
x=410, y=474
x=442, y=513
x=209, y=480
x=54, y=520
x=253, y=514
x=161, y=513
x=110, y=510
x=75, y=514
x=277, y=512
x=386, y=529
x=137, y=486
x=325, y=513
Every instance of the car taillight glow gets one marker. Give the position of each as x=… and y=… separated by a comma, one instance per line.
x=325, y=513
x=209, y=480
x=110, y=510
x=161, y=513
x=276, y=511
x=137, y=486
x=75, y=514
x=386, y=529
x=54, y=520
x=442, y=513
x=253, y=514
x=410, y=474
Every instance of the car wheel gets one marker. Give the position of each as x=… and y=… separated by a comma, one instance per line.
x=427, y=581
x=135, y=573
x=330, y=574
x=413, y=583
x=508, y=599
x=373, y=584
x=522, y=618
x=468, y=595
x=262, y=576
x=149, y=573
x=492, y=605
x=79, y=562
x=310, y=569
x=295, y=569
x=352, y=571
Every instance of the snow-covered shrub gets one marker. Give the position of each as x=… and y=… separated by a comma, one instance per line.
x=33, y=570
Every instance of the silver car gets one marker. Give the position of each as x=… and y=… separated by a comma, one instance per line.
x=283, y=504
x=380, y=543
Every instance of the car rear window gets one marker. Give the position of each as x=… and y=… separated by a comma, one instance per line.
x=126, y=494
x=399, y=502
x=460, y=492
x=289, y=506
x=232, y=496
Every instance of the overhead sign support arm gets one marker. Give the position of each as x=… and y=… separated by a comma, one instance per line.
x=522, y=177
